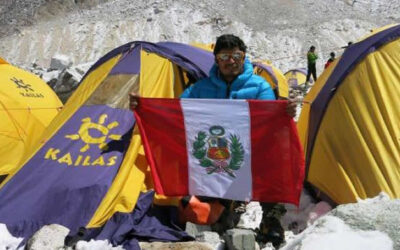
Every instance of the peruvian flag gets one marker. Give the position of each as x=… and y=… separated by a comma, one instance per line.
x=232, y=149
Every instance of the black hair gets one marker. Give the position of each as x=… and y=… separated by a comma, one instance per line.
x=312, y=47
x=229, y=41
x=332, y=54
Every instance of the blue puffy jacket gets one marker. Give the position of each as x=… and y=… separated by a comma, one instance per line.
x=245, y=86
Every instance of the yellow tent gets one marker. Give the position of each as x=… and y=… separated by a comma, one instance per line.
x=274, y=76
x=28, y=105
x=92, y=155
x=207, y=47
x=349, y=124
x=296, y=77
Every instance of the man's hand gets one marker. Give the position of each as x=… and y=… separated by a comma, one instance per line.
x=291, y=108
x=133, y=100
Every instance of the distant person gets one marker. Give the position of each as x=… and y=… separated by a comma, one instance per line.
x=330, y=60
x=348, y=45
x=311, y=68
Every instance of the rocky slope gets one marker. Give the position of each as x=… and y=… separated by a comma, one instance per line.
x=279, y=30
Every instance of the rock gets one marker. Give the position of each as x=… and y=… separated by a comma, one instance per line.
x=192, y=245
x=194, y=229
x=251, y=218
x=67, y=83
x=49, y=237
x=157, y=10
x=60, y=62
x=240, y=239
x=379, y=213
x=51, y=77
x=211, y=238
x=322, y=233
x=83, y=68
x=35, y=65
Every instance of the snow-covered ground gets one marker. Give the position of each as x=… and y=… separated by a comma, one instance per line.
x=278, y=30
x=7, y=241
x=331, y=231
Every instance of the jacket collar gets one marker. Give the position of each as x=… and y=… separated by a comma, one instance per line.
x=238, y=82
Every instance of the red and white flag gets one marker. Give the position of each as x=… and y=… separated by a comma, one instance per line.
x=233, y=149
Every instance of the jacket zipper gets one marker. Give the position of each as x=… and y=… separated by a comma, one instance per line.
x=228, y=90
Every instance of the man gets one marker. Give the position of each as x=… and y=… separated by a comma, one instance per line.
x=231, y=77
x=330, y=60
x=311, y=67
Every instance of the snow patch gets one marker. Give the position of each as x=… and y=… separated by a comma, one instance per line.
x=7, y=241
x=331, y=233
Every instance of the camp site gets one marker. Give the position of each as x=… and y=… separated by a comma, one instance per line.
x=204, y=125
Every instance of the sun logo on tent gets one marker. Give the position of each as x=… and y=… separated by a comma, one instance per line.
x=85, y=135
x=21, y=85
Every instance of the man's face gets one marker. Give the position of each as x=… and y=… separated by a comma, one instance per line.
x=230, y=62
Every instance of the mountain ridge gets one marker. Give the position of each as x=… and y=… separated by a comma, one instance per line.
x=280, y=30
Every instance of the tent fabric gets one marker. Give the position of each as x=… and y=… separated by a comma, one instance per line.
x=27, y=106
x=302, y=123
x=191, y=54
x=2, y=61
x=128, y=63
x=296, y=77
x=126, y=194
x=146, y=222
x=91, y=156
x=274, y=77
x=77, y=173
x=208, y=47
x=181, y=54
x=349, y=122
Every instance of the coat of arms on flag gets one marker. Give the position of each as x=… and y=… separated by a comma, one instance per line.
x=232, y=149
x=216, y=153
